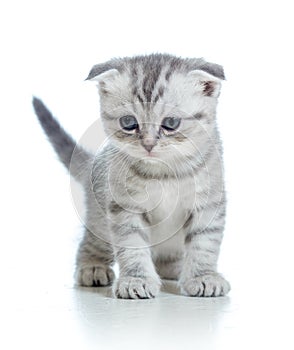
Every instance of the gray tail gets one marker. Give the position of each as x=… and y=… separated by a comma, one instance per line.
x=75, y=158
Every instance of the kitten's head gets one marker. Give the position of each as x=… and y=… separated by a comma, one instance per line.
x=158, y=107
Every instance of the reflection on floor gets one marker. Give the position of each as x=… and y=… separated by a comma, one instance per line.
x=41, y=308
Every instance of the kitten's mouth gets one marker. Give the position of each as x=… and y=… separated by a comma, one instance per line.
x=151, y=154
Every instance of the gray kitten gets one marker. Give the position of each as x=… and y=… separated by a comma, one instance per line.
x=155, y=191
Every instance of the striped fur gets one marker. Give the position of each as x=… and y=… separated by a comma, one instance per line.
x=155, y=197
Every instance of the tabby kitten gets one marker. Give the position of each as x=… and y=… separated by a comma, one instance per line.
x=155, y=191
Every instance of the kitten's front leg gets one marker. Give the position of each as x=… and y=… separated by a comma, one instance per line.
x=199, y=276
x=138, y=278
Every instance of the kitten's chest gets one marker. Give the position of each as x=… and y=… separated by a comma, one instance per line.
x=167, y=205
x=169, y=201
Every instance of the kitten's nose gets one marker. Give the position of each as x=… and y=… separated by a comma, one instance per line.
x=148, y=143
x=148, y=147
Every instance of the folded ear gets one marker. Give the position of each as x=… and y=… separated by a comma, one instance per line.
x=103, y=72
x=104, y=75
x=212, y=68
x=205, y=83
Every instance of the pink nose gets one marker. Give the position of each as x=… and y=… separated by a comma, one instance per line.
x=148, y=143
x=148, y=148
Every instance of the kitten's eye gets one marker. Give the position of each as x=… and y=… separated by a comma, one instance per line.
x=128, y=122
x=170, y=123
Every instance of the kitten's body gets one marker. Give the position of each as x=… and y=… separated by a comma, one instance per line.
x=155, y=197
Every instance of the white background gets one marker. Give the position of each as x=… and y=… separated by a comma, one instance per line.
x=47, y=49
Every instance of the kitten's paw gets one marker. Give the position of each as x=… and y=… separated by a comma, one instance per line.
x=136, y=288
x=213, y=285
x=94, y=276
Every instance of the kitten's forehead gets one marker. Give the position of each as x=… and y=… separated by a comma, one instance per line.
x=149, y=76
x=150, y=83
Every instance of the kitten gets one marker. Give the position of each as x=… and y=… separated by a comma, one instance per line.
x=155, y=191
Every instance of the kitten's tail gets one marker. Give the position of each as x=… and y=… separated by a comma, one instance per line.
x=76, y=159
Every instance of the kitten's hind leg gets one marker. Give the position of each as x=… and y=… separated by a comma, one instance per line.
x=93, y=262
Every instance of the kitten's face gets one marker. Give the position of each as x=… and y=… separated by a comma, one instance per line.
x=158, y=115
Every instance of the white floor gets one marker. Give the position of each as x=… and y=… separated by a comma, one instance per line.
x=41, y=309
x=60, y=317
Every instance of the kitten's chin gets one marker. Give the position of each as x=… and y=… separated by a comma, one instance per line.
x=150, y=159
